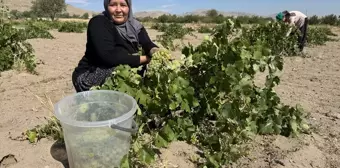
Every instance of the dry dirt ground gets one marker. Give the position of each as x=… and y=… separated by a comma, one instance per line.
x=312, y=82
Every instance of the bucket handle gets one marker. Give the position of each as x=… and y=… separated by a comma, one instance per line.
x=132, y=130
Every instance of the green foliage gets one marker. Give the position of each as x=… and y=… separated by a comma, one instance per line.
x=327, y=20
x=204, y=29
x=330, y=20
x=42, y=24
x=49, y=24
x=159, y=26
x=319, y=35
x=15, y=14
x=48, y=8
x=36, y=30
x=53, y=127
x=171, y=32
x=74, y=27
x=26, y=14
x=212, y=13
x=314, y=20
x=208, y=97
x=276, y=39
x=15, y=52
x=328, y=31
x=65, y=15
x=211, y=16
x=85, y=16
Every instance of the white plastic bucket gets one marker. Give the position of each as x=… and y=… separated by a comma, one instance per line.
x=97, y=127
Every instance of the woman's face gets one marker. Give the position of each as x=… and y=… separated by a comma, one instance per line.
x=119, y=11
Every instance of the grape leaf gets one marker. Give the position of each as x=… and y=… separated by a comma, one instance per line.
x=160, y=141
x=125, y=162
x=146, y=155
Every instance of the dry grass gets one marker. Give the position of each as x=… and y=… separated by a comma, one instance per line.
x=73, y=20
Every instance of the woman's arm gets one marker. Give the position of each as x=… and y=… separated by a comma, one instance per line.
x=144, y=40
x=101, y=33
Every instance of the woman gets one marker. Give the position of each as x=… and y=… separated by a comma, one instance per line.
x=298, y=19
x=113, y=38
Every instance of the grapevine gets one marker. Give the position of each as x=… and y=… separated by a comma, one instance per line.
x=208, y=97
x=172, y=32
x=73, y=27
x=14, y=50
x=319, y=36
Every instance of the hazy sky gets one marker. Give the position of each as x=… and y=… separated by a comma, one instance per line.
x=261, y=7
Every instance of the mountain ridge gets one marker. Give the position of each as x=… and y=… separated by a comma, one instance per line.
x=199, y=12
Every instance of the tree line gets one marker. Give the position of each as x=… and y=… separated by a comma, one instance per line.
x=328, y=20
x=15, y=14
x=212, y=16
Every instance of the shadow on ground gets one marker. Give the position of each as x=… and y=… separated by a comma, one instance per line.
x=58, y=152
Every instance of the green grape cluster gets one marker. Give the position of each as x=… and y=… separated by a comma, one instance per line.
x=162, y=59
x=162, y=54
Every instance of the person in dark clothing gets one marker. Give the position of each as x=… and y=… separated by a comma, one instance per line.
x=113, y=38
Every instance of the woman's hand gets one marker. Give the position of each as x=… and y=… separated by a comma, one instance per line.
x=144, y=59
x=153, y=50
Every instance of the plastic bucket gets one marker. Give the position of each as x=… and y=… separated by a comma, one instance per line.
x=97, y=127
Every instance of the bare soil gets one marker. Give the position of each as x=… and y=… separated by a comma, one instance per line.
x=313, y=82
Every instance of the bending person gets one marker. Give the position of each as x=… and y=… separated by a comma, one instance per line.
x=298, y=19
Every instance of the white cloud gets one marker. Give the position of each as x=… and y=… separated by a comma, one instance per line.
x=80, y=2
x=77, y=1
x=154, y=9
x=168, y=6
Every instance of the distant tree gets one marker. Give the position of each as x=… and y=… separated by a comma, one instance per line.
x=75, y=16
x=28, y=14
x=191, y=19
x=64, y=15
x=163, y=18
x=329, y=19
x=313, y=20
x=85, y=16
x=15, y=14
x=48, y=8
x=212, y=13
